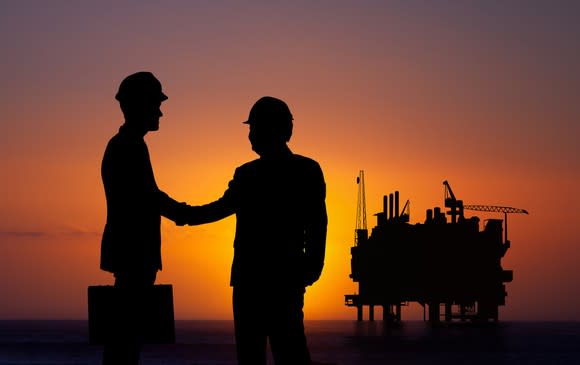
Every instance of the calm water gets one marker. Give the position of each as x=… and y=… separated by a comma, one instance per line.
x=335, y=342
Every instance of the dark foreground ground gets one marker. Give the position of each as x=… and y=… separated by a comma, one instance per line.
x=333, y=342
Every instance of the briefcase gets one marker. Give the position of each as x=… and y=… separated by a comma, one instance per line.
x=119, y=315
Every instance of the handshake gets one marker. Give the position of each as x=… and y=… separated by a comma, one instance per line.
x=185, y=214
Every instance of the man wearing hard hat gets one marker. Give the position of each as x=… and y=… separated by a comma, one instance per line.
x=279, y=203
x=131, y=243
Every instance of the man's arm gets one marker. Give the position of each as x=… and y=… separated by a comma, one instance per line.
x=208, y=213
x=172, y=209
x=315, y=246
x=219, y=209
x=182, y=213
x=315, y=231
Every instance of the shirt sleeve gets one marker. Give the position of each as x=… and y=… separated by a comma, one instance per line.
x=315, y=228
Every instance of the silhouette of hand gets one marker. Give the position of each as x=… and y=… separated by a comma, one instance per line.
x=311, y=276
x=313, y=269
x=182, y=217
x=310, y=279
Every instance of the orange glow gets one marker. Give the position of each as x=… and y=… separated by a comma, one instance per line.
x=412, y=96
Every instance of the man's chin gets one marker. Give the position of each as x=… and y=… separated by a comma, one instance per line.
x=257, y=150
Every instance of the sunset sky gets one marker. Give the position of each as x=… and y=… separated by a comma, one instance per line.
x=484, y=94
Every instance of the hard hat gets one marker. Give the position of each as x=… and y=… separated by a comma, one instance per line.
x=140, y=86
x=269, y=109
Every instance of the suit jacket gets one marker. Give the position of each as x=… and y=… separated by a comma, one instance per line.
x=280, y=221
x=132, y=237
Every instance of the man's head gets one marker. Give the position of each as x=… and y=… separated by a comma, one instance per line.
x=270, y=123
x=140, y=97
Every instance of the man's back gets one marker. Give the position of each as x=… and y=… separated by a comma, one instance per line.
x=279, y=206
x=279, y=203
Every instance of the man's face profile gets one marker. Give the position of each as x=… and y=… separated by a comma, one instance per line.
x=265, y=136
x=145, y=113
x=259, y=138
x=152, y=113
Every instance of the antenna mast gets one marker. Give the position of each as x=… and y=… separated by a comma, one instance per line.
x=361, y=231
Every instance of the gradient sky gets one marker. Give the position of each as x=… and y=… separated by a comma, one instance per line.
x=481, y=93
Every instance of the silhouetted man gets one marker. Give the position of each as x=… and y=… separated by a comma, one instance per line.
x=131, y=243
x=279, y=202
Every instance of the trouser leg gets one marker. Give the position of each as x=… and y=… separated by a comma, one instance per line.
x=272, y=313
x=249, y=331
x=286, y=329
x=127, y=352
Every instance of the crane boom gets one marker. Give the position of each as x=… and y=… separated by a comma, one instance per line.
x=497, y=209
x=448, y=192
x=457, y=207
x=494, y=208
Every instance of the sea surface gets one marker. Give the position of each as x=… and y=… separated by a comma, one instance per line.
x=331, y=342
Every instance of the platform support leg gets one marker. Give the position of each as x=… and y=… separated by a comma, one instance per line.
x=398, y=312
x=447, y=312
x=434, y=312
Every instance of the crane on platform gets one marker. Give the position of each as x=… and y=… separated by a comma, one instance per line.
x=497, y=209
x=457, y=207
x=361, y=231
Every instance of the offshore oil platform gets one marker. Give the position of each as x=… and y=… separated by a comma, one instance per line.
x=451, y=268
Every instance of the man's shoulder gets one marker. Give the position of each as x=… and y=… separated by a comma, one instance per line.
x=250, y=165
x=120, y=143
x=307, y=161
x=115, y=140
x=299, y=161
x=306, y=165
